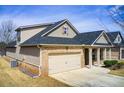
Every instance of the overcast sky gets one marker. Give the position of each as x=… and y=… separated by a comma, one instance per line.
x=84, y=18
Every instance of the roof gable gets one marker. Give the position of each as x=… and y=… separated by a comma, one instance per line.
x=61, y=32
x=55, y=26
x=112, y=35
x=118, y=39
x=102, y=39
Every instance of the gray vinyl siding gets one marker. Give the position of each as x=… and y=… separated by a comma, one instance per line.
x=29, y=55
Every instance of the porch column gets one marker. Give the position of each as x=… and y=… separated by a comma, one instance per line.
x=98, y=56
x=90, y=57
x=44, y=63
x=82, y=58
x=104, y=54
x=110, y=53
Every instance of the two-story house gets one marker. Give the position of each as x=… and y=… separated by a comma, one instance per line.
x=56, y=47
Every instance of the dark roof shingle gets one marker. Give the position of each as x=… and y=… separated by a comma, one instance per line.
x=112, y=35
x=50, y=27
x=50, y=40
x=88, y=37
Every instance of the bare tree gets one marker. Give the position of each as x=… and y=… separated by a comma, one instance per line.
x=117, y=15
x=7, y=31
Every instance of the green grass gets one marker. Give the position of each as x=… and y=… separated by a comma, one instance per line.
x=13, y=77
x=118, y=72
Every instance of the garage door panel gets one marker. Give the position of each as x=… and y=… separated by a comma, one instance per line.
x=64, y=62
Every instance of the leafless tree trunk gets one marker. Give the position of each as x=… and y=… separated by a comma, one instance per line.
x=7, y=31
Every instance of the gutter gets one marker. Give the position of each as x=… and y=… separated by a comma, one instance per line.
x=62, y=45
x=82, y=45
x=53, y=45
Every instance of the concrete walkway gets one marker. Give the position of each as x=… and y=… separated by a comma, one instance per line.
x=95, y=77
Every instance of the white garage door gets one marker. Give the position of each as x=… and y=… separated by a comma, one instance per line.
x=64, y=62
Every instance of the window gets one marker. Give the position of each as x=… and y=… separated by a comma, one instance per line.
x=65, y=30
x=119, y=39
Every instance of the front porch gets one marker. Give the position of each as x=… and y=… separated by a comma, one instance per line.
x=96, y=56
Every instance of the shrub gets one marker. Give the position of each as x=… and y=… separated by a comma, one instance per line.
x=109, y=63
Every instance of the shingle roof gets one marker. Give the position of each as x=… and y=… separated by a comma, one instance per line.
x=112, y=35
x=50, y=27
x=81, y=38
x=39, y=39
x=35, y=25
x=88, y=37
x=50, y=40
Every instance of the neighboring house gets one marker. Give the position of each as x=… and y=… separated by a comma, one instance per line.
x=57, y=47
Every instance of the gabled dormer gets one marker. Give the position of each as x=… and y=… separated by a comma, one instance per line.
x=118, y=39
x=115, y=37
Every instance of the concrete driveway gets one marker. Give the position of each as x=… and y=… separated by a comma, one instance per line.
x=95, y=77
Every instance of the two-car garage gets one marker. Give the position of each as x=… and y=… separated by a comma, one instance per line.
x=60, y=62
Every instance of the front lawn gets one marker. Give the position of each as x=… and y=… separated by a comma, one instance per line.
x=118, y=71
x=13, y=77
